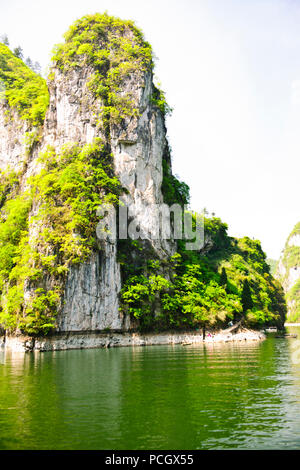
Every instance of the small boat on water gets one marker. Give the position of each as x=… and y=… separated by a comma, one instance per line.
x=287, y=336
x=271, y=329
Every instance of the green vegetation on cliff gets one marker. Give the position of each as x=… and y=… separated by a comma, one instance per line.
x=114, y=49
x=229, y=282
x=288, y=264
x=63, y=199
x=24, y=90
x=174, y=191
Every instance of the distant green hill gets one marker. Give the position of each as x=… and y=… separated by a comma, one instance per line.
x=288, y=273
x=272, y=263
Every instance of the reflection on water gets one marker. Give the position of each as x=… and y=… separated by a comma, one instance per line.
x=162, y=397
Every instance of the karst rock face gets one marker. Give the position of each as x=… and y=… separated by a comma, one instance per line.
x=137, y=141
x=288, y=272
x=12, y=146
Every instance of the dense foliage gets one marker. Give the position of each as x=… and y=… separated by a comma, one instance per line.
x=63, y=199
x=231, y=281
x=23, y=89
x=114, y=49
x=290, y=261
x=174, y=191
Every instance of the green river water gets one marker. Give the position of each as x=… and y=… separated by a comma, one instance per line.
x=222, y=396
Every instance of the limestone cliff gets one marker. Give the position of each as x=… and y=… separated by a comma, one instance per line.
x=288, y=272
x=130, y=123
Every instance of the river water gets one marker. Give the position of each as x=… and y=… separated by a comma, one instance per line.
x=222, y=396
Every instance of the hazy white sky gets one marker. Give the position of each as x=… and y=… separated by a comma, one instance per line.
x=231, y=71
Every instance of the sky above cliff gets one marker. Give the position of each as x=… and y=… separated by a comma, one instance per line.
x=231, y=72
